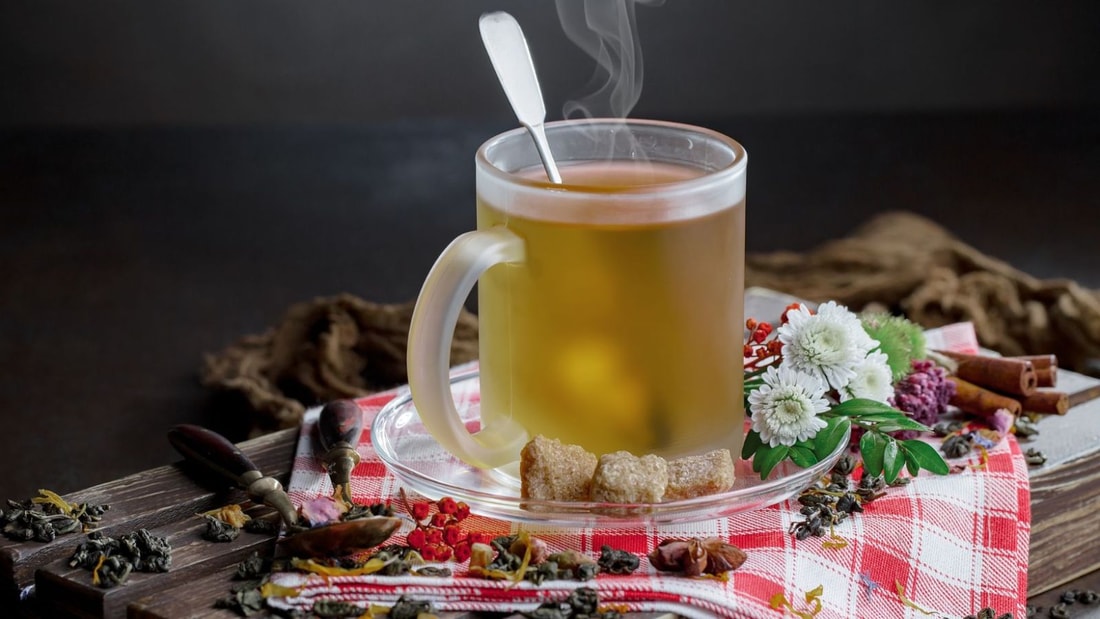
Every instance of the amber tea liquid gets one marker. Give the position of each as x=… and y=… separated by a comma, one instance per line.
x=622, y=328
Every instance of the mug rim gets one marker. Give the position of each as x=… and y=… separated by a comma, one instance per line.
x=709, y=177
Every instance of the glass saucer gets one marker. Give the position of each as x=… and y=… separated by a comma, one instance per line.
x=421, y=464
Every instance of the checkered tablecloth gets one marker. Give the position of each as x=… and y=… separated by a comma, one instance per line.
x=951, y=545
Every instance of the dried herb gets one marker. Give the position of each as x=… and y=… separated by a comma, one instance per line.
x=252, y=568
x=989, y=613
x=407, y=608
x=218, y=530
x=434, y=571
x=332, y=609
x=262, y=526
x=779, y=601
x=1068, y=598
x=357, y=511
x=111, y=560
x=245, y=599
x=46, y=516
x=583, y=602
x=947, y=428
x=957, y=445
x=905, y=601
x=568, y=565
x=505, y=560
x=827, y=504
x=1025, y=427
x=1034, y=457
x=615, y=561
x=231, y=515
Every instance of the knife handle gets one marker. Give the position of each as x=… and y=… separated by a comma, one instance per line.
x=341, y=423
x=216, y=453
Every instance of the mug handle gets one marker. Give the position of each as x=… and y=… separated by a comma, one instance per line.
x=433, y=322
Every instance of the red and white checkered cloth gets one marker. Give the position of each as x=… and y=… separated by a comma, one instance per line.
x=954, y=545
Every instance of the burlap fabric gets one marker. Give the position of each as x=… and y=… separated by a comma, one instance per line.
x=345, y=347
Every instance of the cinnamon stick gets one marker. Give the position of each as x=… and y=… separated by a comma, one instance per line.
x=1046, y=402
x=1012, y=376
x=971, y=398
x=1046, y=368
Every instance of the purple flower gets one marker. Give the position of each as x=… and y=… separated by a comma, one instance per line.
x=923, y=394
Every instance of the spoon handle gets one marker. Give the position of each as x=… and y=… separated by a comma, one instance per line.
x=340, y=425
x=215, y=452
x=511, y=58
x=338, y=430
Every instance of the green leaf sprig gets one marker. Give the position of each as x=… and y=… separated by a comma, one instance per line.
x=882, y=454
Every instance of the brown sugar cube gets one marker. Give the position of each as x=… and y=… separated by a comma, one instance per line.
x=699, y=475
x=554, y=471
x=622, y=477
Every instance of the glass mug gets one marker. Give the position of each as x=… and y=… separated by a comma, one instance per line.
x=610, y=306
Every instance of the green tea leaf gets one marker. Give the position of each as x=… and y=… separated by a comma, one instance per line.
x=858, y=407
x=803, y=456
x=926, y=456
x=751, y=444
x=872, y=445
x=767, y=457
x=892, y=460
x=827, y=439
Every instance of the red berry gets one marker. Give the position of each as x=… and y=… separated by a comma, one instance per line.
x=447, y=505
x=443, y=553
x=420, y=510
x=434, y=536
x=416, y=538
x=462, y=511
x=439, y=519
x=750, y=324
x=428, y=552
x=452, y=534
x=479, y=538
x=462, y=551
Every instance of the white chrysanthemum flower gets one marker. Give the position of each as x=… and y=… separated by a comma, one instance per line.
x=829, y=344
x=873, y=379
x=785, y=408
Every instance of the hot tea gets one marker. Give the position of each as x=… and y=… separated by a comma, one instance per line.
x=622, y=329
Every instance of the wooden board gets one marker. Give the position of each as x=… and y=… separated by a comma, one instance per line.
x=194, y=601
x=63, y=591
x=150, y=499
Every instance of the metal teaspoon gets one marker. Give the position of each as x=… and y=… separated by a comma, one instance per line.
x=511, y=58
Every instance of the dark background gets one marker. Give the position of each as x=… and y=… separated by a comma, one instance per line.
x=174, y=175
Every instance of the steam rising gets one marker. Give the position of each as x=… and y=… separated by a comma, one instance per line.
x=606, y=30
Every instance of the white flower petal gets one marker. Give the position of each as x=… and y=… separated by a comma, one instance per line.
x=872, y=380
x=829, y=343
x=785, y=408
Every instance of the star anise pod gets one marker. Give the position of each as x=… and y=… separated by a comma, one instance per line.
x=695, y=556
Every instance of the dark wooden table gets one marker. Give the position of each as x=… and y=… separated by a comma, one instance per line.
x=126, y=254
